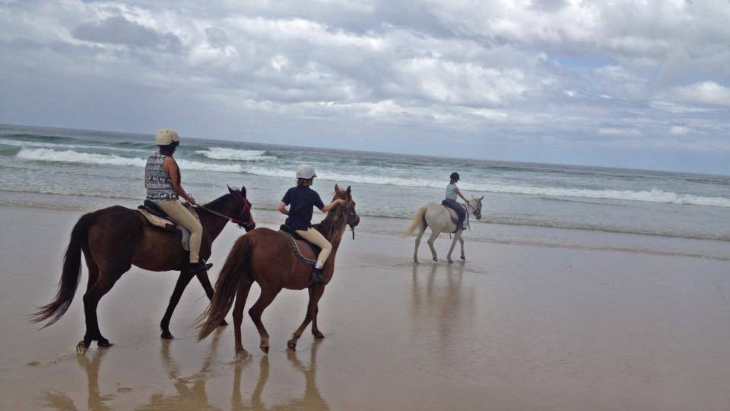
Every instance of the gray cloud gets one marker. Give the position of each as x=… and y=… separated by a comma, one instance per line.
x=536, y=81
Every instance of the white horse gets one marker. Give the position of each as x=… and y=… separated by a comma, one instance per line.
x=438, y=218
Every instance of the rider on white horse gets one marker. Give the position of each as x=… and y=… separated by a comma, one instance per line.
x=451, y=192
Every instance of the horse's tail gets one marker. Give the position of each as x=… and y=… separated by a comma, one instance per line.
x=70, y=275
x=417, y=221
x=236, y=267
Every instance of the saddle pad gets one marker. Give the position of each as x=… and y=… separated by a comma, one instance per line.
x=301, y=248
x=168, y=225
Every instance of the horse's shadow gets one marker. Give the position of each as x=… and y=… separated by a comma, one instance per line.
x=311, y=399
x=95, y=400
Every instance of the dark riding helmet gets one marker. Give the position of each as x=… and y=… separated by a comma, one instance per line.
x=455, y=176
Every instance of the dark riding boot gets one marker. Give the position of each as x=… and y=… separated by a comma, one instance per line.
x=318, y=276
x=199, y=266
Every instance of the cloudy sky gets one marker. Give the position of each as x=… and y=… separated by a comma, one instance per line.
x=635, y=83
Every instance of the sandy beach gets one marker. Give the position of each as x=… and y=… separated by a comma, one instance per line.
x=514, y=328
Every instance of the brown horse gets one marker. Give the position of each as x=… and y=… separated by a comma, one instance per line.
x=115, y=238
x=266, y=257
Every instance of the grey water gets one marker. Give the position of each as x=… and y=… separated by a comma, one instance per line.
x=83, y=169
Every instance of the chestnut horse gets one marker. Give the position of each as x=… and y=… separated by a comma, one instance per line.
x=115, y=238
x=266, y=257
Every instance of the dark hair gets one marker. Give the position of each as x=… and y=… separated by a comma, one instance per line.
x=301, y=182
x=169, y=149
x=455, y=176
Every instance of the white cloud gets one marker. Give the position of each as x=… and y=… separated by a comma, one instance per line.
x=706, y=92
x=679, y=130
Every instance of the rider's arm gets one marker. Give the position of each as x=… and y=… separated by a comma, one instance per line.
x=456, y=190
x=331, y=205
x=282, y=208
x=171, y=168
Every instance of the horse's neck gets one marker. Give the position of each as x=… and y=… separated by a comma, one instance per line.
x=213, y=224
x=333, y=230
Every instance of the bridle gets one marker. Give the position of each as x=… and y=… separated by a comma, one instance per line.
x=477, y=211
x=238, y=218
x=350, y=217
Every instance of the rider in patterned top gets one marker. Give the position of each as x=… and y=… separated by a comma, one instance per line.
x=301, y=201
x=451, y=192
x=162, y=181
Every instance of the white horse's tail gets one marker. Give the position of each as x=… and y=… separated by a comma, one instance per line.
x=417, y=221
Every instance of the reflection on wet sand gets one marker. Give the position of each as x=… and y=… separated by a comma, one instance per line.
x=311, y=399
x=440, y=297
x=96, y=401
x=191, y=391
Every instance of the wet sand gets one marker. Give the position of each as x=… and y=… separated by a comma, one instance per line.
x=514, y=328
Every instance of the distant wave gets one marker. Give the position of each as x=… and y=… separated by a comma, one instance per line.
x=652, y=196
x=220, y=153
x=18, y=143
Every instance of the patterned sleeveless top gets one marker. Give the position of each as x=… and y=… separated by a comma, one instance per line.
x=159, y=185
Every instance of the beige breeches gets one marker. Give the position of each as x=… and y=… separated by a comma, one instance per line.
x=179, y=214
x=314, y=237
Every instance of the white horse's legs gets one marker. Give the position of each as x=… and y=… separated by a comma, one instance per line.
x=457, y=236
x=434, y=235
x=421, y=230
x=461, y=240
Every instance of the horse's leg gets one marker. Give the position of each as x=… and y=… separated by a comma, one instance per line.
x=434, y=235
x=182, y=281
x=266, y=297
x=453, y=244
x=243, y=289
x=205, y=282
x=91, y=301
x=315, y=293
x=421, y=230
x=461, y=241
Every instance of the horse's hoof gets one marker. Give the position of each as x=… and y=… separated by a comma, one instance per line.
x=104, y=344
x=223, y=323
x=435, y=259
x=265, y=349
x=416, y=262
x=451, y=261
x=166, y=335
x=318, y=335
x=291, y=345
x=81, y=348
x=242, y=355
x=463, y=258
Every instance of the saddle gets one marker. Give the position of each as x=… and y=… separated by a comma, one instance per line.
x=157, y=218
x=452, y=213
x=306, y=251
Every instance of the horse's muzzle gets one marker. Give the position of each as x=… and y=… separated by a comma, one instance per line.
x=250, y=226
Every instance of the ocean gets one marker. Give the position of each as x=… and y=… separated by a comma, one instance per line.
x=524, y=203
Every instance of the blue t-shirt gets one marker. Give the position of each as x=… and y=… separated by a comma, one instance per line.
x=302, y=201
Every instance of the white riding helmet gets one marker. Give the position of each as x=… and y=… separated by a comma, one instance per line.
x=306, y=171
x=166, y=136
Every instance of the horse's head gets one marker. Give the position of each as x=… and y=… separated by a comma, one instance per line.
x=353, y=219
x=475, y=204
x=243, y=218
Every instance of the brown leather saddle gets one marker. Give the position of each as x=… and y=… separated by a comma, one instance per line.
x=157, y=218
x=306, y=251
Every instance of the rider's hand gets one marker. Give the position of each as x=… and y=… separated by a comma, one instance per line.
x=191, y=199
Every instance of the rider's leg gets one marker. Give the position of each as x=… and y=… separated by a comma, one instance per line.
x=314, y=237
x=178, y=213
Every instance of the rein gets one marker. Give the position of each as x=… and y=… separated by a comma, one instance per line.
x=232, y=219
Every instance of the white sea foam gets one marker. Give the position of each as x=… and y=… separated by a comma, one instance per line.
x=220, y=153
x=652, y=196
x=19, y=143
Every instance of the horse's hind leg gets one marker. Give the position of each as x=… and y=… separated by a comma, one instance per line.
x=421, y=230
x=315, y=293
x=461, y=241
x=182, y=281
x=243, y=289
x=434, y=235
x=266, y=297
x=91, y=301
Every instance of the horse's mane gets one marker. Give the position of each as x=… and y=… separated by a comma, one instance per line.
x=331, y=226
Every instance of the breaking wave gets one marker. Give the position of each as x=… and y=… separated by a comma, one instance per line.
x=220, y=153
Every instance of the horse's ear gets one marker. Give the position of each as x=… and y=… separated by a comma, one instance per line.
x=337, y=188
x=243, y=191
x=349, y=191
x=230, y=190
x=481, y=198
